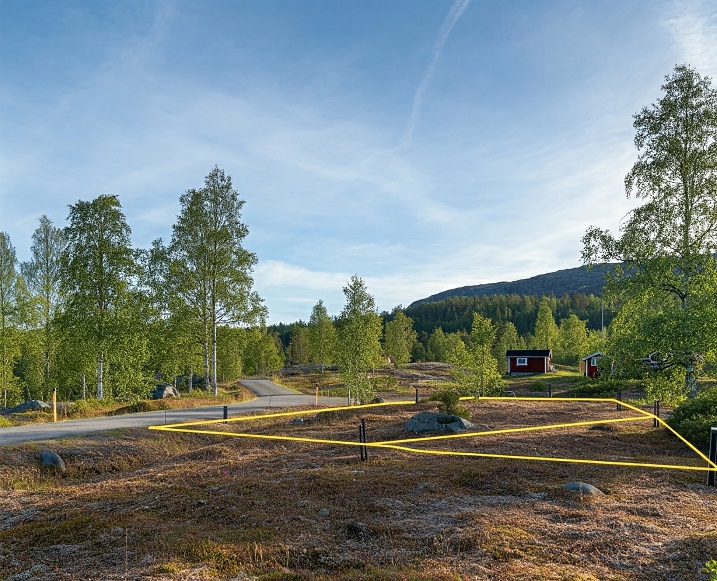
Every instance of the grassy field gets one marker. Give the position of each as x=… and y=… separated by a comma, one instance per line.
x=140, y=504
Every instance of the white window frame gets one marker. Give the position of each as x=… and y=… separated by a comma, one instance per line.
x=522, y=361
x=593, y=362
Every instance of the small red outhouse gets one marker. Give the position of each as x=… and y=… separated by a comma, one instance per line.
x=589, y=365
x=524, y=361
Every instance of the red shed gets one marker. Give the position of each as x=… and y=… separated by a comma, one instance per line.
x=589, y=365
x=522, y=361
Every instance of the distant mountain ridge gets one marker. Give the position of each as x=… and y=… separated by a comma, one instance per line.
x=558, y=283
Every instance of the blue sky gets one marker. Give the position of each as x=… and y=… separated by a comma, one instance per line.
x=422, y=145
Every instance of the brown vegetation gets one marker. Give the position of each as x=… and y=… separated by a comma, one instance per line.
x=168, y=506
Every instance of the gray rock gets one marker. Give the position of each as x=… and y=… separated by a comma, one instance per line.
x=33, y=405
x=583, y=488
x=165, y=390
x=324, y=512
x=49, y=460
x=434, y=422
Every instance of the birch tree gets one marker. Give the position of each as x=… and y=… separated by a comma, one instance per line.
x=42, y=276
x=666, y=248
x=210, y=270
x=359, y=336
x=97, y=270
x=400, y=338
x=322, y=336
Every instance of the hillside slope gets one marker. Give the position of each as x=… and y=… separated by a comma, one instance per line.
x=559, y=283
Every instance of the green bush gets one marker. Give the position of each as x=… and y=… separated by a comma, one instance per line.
x=5, y=423
x=694, y=417
x=450, y=403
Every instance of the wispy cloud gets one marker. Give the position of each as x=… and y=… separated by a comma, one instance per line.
x=693, y=25
x=454, y=14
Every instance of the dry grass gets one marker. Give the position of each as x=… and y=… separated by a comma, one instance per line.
x=168, y=506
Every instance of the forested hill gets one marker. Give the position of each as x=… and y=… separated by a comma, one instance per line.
x=559, y=283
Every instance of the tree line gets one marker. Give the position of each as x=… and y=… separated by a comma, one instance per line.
x=88, y=314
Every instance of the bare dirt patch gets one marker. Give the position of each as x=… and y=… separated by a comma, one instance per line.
x=140, y=504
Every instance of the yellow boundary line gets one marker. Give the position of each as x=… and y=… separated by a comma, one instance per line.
x=395, y=444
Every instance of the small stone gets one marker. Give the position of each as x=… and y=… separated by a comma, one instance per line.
x=324, y=512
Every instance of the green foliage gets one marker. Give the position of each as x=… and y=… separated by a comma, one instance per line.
x=321, y=336
x=668, y=386
x=5, y=423
x=545, y=334
x=98, y=269
x=42, y=275
x=9, y=314
x=572, y=343
x=359, y=332
x=399, y=338
x=474, y=367
x=711, y=568
x=450, y=403
x=299, y=346
x=667, y=275
x=209, y=269
x=694, y=417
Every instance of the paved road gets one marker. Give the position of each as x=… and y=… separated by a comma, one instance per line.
x=268, y=395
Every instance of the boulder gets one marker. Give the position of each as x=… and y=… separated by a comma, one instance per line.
x=34, y=405
x=583, y=488
x=435, y=422
x=165, y=390
x=49, y=460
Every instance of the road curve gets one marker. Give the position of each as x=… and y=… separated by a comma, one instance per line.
x=268, y=395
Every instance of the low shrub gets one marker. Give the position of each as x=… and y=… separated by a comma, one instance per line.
x=450, y=403
x=693, y=418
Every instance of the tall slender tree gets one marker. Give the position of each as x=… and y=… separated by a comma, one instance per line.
x=210, y=270
x=322, y=336
x=546, y=330
x=359, y=333
x=42, y=276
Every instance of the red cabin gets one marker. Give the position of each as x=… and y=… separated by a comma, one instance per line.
x=527, y=361
x=589, y=365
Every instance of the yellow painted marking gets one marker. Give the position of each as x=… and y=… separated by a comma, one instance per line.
x=395, y=444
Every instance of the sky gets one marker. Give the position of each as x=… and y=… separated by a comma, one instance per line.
x=422, y=145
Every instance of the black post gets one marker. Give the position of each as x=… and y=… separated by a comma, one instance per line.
x=416, y=396
x=362, y=439
x=712, y=456
x=656, y=413
x=550, y=390
x=619, y=398
x=226, y=412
